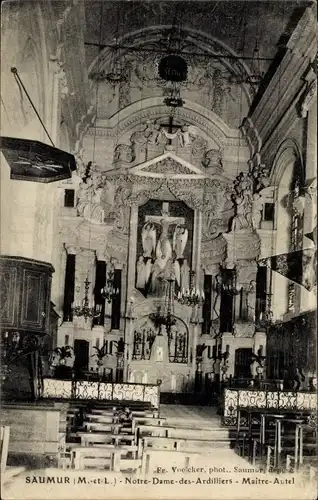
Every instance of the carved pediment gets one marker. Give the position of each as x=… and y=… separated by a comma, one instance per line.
x=167, y=165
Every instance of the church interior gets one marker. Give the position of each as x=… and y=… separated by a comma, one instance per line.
x=158, y=237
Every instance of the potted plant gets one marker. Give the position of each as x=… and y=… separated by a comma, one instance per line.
x=100, y=354
x=64, y=353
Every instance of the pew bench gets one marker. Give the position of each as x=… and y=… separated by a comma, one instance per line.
x=146, y=420
x=115, y=459
x=104, y=438
x=99, y=418
x=168, y=443
x=101, y=427
x=217, y=434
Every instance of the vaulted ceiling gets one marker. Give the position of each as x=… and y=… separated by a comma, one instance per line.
x=237, y=24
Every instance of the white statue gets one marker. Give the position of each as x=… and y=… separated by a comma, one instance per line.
x=148, y=236
x=164, y=250
x=180, y=238
x=242, y=217
x=185, y=276
x=141, y=273
x=257, y=207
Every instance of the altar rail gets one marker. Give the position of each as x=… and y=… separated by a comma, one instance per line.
x=100, y=391
x=276, y=400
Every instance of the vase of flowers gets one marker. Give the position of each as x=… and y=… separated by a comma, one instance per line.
x=64, y=368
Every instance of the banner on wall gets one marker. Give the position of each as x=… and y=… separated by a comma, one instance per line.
x=298, y=266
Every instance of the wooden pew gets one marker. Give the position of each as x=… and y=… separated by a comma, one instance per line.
x=175, y=432
x=100, y=418
x=144, y=420
x=167, y=443
x=88, y=438
x=99, y=458
x=115, y=459
x=101, y=427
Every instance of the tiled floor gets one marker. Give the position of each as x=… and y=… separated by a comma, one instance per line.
x=196, y=415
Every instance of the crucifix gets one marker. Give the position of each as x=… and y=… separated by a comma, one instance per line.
x=164, y=219
x=172, y=129
x=163, y=247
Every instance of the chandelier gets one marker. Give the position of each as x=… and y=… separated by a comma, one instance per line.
x=192, y=296
x=85, y=308
x=109, y=291
x=116, y=74
x=173, y=99
x=165, y=316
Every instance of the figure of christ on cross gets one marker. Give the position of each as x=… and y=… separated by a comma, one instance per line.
x=164, y=265
x=164, y=248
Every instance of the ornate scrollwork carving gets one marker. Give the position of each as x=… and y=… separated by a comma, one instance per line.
x=124, y=153
x=213, y=160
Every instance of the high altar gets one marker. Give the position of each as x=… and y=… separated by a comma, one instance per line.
x=171, y=228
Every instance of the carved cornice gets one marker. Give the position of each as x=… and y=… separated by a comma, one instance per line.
x=153, y=108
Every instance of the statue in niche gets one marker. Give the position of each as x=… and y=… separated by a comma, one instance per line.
x=257, y=207
x=180, y=238
x=124, y=153
x=185, y=276
x=149, y=238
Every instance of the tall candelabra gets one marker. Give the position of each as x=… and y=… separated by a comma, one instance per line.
x=85, y=308
x=192, y=296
